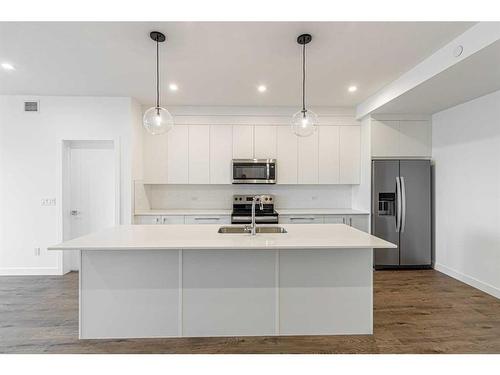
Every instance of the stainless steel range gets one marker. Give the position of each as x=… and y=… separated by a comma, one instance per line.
x=242, y=210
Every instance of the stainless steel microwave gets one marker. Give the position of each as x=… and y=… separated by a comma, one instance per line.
x=254, y=171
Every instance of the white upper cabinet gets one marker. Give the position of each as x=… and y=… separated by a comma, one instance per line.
x=178, y=155
x=243, y=142
x=385, y=138
x=202, y=154
x=396, y=139
x=308, y=159
x=286, y=155
x=221, y=153
x=329, y=154
x=155, y=158
x=415, y=138
x=350, y=154
x=265, y=142
x=199, y=154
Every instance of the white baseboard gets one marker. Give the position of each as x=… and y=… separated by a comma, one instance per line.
x=29, y=271
x=485, y=287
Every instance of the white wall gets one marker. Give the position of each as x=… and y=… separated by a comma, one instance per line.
x=30, y=169
x=466, y=152
x=220, y=196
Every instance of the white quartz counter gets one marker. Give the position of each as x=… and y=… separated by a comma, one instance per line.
x=320, y=211
x=157, y=237
x=183, y=212
x=281, y=211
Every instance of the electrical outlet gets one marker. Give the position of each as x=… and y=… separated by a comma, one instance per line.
x=314, y=198
x=37, y=251
x=194, y=198
x=48, y=201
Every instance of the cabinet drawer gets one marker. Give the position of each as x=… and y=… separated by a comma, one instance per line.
x=301, y=219
x=207, y=219
x=172, y=219
x=147, y=219
x=335, y=219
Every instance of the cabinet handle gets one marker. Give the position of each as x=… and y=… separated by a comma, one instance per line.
x=350, y=221
x=343, y=220
x=302, y=218
x=207, y=218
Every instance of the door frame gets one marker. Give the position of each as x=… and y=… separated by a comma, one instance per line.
x=64, y=196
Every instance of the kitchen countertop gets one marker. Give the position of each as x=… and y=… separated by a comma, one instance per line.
x=186, y=211
x=281, y=211
x=158, y=237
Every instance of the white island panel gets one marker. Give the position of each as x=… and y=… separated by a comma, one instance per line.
x=129, y=294
x=326, y=292
x=228, y=293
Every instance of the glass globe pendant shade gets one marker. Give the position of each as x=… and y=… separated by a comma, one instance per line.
x=157, y=120
x=304, y=123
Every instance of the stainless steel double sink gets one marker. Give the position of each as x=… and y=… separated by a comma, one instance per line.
x=243, y=230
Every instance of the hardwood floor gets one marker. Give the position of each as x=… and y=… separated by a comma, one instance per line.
x=415, y=312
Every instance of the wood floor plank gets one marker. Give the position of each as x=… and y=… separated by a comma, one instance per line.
x=415, y=311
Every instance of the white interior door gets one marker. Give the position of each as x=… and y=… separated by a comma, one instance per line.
x=92, y=190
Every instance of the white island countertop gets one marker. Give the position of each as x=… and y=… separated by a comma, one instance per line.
x=159, y=237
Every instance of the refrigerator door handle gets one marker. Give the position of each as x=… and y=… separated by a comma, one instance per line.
x=403, y=203
x=398, y=204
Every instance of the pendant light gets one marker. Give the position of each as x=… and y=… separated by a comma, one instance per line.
x=157, y=120
x=304, y=122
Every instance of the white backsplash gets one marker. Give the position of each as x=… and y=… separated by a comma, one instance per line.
x=220, y=196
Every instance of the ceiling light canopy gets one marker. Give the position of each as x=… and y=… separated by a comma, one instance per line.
x=352, y=88
x=157, y=120
x=261, y=88
x=173, y=87
x=7, y=66
x=304, y=122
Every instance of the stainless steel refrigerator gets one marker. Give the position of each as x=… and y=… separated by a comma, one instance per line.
x=401, y=212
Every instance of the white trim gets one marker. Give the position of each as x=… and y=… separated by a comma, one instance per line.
x=478, y=284
x=30, y=271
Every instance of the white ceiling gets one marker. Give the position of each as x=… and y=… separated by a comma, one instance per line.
x=216, y=63
x=475, y=76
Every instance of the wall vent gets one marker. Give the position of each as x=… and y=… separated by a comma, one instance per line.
x=31, y=106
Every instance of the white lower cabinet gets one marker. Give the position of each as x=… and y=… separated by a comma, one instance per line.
x=356, y=221
x=301, y=219
x=207, y=219
x=159, y=219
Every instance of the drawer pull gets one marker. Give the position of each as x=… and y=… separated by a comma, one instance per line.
x=302, y=218
x=207, y=218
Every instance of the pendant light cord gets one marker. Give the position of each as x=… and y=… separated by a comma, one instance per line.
x=157, y=76
x=304, y=78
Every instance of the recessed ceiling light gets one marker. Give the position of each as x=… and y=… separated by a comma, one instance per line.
x=352, y=89
x=173, y=87
x=7, y=66
x=262, y=88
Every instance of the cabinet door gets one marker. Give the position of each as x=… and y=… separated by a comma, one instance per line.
x=308, y=159
x=300, y=219
x=177, y=169
x=147, y=219
x=265, y=142
x=172, y=219
x=286, y=151
x=199, y=154
x=334, y=219
x=155, y=158
x=221, y=153
x=208, y=219
x=415, y=138
x=359, y=222
x=350, y=154
x=242, y=142
x=328, y=155
x=385, y=138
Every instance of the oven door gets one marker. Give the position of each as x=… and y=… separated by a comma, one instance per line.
x=254, y=171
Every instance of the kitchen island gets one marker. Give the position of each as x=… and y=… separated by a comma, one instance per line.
x=190, y=281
